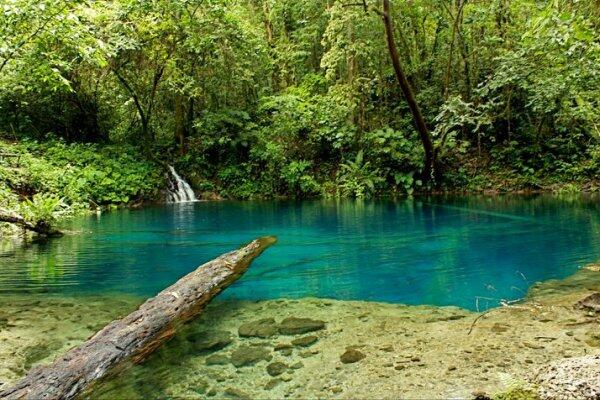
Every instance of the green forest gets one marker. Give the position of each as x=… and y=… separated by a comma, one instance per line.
x=422, y=176
x=303, y=98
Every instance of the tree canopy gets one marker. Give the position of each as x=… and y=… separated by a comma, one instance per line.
x=305, y=97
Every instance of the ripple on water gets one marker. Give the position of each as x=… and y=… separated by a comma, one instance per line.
x=465, y=251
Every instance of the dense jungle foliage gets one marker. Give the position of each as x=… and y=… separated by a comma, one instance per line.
x=263, y=98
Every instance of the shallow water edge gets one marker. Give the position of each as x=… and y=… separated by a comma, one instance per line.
x=413, y=351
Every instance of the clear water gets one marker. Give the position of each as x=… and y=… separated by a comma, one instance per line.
x=471, y=252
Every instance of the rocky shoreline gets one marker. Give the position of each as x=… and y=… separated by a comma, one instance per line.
x=318, y=348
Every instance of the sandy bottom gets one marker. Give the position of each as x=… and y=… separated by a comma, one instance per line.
x=390, y=350
x=36, y=328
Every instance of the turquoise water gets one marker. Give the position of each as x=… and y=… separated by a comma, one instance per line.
x=471, y=252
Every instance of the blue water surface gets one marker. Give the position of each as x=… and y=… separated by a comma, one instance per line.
x=471, y=252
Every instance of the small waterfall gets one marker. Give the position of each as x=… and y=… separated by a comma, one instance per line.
x=179, y=191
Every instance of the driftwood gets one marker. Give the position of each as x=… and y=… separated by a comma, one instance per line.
x=41, y=227
x=137, y=335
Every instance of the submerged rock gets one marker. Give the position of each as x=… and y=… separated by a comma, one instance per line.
x=250, y=355
x=480, y=395
x=442, y=318
x=336, y=389
x=297, y=365
x=36, y=353
x=388, y=348
x=272, y=384
x=210, y=340
x=351, y=356
x=306, y=354
x=593, y=267
x=305, y=341
x=276, y=368
x=217, y=359
x=233, y=393
x=592, y=303
x=533, y=346
x=199, y=387
x=262, y=328
x=500, y=328
x=296, y=326
x=593, y=339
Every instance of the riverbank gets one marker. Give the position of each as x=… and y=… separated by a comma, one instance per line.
x=321, y=348
x=55, y=179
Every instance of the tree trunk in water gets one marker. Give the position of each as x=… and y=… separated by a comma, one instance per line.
x=409, y=95
x=41, y=227
x=137, y=335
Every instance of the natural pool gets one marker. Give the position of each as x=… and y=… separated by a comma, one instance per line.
x=346, y=263
x=470, y=252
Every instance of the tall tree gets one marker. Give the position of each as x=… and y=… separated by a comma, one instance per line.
x=429, y=163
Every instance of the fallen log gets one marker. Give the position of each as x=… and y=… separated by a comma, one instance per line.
x=137, y=335
x=41, y=227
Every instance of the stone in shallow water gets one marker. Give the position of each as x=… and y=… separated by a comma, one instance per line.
x=500, y=328
x=272, y=383
x=250, y=355
x=592, y=303
x=233, y=393
x=442, y=318
x=199, y=387
x=593, y=267
x=262, y=328
x=33, y=354
x=283, y=346
x=297, y=365
x=210, y=340
x=296, y=326
x=276, y=368
x=336, y=389
x=351, y=356
x=593, y=339
x=305, y=341
x=217, y=359
x=388, y=348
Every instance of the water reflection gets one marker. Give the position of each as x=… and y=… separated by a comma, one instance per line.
x=467, y=251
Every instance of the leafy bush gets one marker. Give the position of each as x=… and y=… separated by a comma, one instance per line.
x=357, y=178
x=297, y=176
x=396, y=156
x=84, y=174
x=43, y=208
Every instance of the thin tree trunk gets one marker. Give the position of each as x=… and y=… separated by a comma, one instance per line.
x=267, y=22
x=137, y=335
x=456, y=31
x=191, y=115
x=407, y=90
x=180, y=122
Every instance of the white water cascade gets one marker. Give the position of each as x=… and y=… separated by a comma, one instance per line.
x=179, y=191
